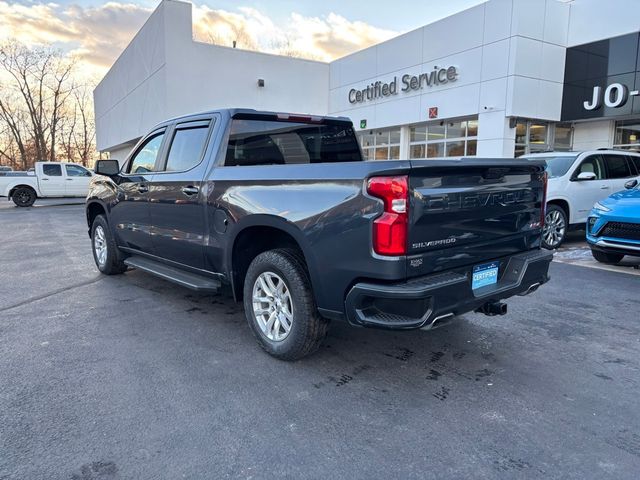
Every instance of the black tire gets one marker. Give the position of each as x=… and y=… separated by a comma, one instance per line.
x=556, y=223
x=307, y=327
x=113, y=263
x=24, y=196
x=603, y=257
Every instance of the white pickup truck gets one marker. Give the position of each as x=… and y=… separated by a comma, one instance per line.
x=49, y=179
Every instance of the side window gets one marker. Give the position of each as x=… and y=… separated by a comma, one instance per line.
x=617, y=166
x=76, y=171
x=52, y=170
x=592, y=164
x=635, y=161
x=187, y=146
x=145, y=158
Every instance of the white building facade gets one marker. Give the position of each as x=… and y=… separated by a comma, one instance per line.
x=502, y=79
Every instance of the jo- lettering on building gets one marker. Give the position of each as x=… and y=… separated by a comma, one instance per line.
x=501, y=79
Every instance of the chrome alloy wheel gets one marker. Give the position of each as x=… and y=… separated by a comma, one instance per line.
x=100, y=245
x=272, y=306
x=554, y=228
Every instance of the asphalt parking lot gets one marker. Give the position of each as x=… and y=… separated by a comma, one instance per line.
x=132, y=377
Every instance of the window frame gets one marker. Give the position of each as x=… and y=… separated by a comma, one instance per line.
x=186, y=124
x=630, y=168
x=125, y=172
x=446, y=140
x=576, y=170
x=388, y=145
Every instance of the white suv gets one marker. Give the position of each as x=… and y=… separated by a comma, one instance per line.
x=577, y=180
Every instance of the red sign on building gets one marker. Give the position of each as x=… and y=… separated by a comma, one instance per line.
x=433, y=112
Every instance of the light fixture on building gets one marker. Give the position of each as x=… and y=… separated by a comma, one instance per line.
x=261, y=82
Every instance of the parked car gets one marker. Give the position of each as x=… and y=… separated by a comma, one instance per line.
x=49, y=179
x=283, y=209
x=576, y=181
x=613, y=227
x=4, y=168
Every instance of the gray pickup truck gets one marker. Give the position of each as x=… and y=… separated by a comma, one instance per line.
x=283, y=211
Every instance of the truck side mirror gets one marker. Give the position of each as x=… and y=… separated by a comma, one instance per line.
x=586, y=176
x=631, y=184
x=109, y=168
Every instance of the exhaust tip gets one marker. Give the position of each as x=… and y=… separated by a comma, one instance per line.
x=493, y=308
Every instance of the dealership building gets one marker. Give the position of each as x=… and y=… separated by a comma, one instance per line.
x=504, y=78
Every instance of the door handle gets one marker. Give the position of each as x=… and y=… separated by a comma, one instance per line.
x=190, y=190
x=604, y=187
x=69, y=179
x=143, y=189
x=45, y=179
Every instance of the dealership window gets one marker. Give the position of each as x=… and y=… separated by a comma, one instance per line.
x=383, y=144
x=454, y=138
x=627, y=135
x=534, y=136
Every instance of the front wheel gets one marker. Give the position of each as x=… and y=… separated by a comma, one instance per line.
x=24, y=197
x=280, y=307
x=555, y=227
x=603, y=257
x=105, y=251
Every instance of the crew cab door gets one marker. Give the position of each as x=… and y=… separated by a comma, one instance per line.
x=177, y=206
x=585, y=193
x=77, y=180
x=130, y=214
x=50, y=180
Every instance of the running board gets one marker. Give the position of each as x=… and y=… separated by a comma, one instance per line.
x=190, y=280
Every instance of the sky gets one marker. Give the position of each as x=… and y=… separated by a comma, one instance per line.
x=97, y=32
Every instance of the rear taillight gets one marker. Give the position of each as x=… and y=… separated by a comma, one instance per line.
x=390, y=229
x=543, y=207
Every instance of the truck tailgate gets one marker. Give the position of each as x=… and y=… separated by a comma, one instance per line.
x=464, y=212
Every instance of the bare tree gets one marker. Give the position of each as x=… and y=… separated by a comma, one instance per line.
x=77, y=130
x=39, y=80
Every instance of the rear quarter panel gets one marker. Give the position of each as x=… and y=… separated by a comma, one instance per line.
x=322, y=206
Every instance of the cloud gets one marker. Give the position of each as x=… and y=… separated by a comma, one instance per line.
x=322, y=38
x=97, y=35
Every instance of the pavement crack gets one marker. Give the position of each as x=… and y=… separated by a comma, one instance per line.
x=51, y=294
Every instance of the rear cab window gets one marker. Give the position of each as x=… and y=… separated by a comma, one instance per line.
x=52, y=170
x=272, y=142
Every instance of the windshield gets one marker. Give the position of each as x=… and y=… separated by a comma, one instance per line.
x=556, y=166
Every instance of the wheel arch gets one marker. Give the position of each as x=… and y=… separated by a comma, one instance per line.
x=257, y=234
x=12, y=188
x=93, y=209
x=564, y=204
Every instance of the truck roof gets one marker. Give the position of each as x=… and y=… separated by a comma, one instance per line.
x=252, y=113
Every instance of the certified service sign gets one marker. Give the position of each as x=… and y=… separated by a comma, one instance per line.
x=408, y=83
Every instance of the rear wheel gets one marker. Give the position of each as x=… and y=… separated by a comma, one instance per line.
x=280, y=307
x=603, y=257
x=105, y=251
x=24, y=196
x=555, y=227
